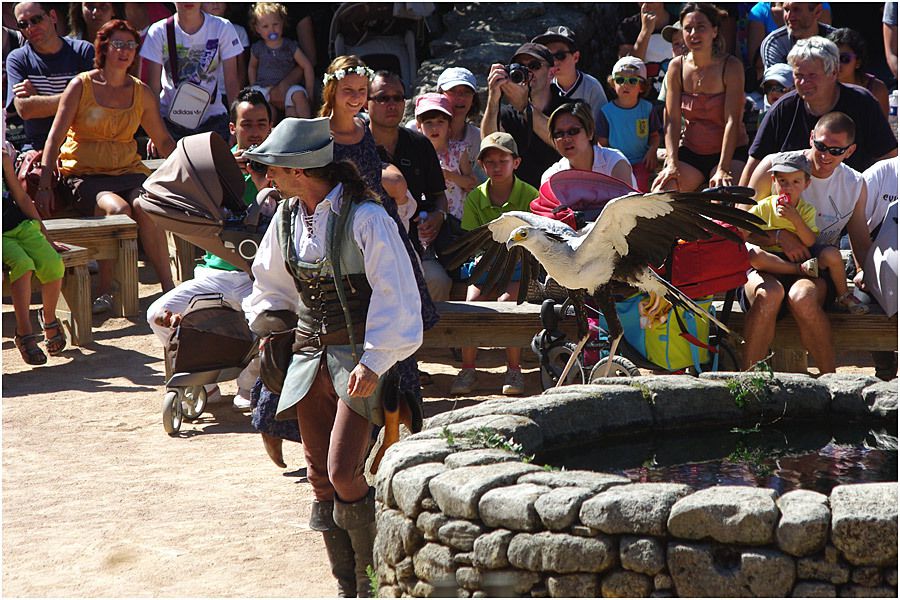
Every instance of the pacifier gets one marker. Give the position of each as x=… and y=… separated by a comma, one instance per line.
x=272, y=36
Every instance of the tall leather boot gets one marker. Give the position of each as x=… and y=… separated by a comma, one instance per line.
x=358, y=520
x=337, y=546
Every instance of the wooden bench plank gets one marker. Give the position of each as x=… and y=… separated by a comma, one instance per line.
x=505, y=324
x=112, y=237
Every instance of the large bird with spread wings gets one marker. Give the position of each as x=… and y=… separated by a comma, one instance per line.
x=631, y=233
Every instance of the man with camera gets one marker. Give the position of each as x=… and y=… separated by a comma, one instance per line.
x=250, y=122
x=526, y=85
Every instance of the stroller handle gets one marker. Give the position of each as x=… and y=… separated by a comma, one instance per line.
x=735, y=190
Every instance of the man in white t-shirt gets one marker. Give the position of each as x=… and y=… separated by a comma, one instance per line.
x=204, y=43
x=838, y=194
x=881, y=189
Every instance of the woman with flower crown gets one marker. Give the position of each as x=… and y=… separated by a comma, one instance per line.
x=344, y=95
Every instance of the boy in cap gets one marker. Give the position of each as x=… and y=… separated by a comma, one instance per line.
x=629, y=123
x=785, y=209
x=502, y=192
x=777, y=81
x=528, y=107
x=571, y=83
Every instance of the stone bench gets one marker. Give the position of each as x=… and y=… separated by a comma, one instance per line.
x=74, y=309
x=110, y=238
x=505, y=324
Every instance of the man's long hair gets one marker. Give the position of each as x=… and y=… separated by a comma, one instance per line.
x=345, y=172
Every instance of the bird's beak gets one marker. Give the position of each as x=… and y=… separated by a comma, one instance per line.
x=515, y=237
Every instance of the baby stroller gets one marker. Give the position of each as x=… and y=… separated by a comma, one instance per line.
x=383, y=34
x=197, y=194
x=700, y=269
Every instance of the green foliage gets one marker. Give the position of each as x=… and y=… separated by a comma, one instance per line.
x=753, y=385
x=373, y=581
x=757, y=459
x=485, y=437
x=645, y=390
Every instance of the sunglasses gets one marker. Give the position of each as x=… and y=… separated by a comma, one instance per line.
x=561, y=55
x=628, y=80
x=832, y=150
x=774, y=87
x=569, y=133
x=534, y=66
x=385, y=98
x=31, y=21
x=847, y=58
x=122, y=44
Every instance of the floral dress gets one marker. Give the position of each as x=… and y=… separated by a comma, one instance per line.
x=450, y=160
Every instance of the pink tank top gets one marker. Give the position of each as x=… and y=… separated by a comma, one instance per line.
x=704, y=120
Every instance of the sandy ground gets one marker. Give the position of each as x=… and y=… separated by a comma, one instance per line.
x=99, y=501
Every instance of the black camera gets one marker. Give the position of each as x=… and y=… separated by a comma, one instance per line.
x=517, y=73
x=257, y=167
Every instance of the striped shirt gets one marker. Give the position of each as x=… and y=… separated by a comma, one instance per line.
x=50, y=74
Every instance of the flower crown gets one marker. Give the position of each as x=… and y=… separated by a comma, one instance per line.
x=341, y=73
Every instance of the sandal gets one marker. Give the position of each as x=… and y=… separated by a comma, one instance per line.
x=102, y=304
x=847, y=302
x=56, y=343
x=29, y=349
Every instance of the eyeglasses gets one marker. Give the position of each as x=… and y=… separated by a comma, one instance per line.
x=561, y=55
x=847, y=58
x=385, y=98
x=30, y=21
x=775, y=87
x=569, y=133
x=832, y=150
x=534, y=66
x=122, y=44
x=628, y=80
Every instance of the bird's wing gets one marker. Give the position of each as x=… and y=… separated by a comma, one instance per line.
x=489, y=241
x=644, y=227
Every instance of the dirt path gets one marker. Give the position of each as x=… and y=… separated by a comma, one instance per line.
x=99, y=501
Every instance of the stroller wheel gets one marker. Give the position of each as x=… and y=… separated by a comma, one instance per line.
x=621, y=367
x=557, y=357
x=193, y=402
x=171, y=412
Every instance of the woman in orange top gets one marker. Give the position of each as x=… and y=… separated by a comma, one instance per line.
x=98, y=115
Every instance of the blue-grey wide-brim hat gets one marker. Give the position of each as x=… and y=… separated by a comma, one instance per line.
x=296, y=144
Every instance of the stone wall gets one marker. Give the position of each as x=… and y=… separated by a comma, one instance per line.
x=454, y=520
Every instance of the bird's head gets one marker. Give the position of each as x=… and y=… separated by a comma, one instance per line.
x=519, y=236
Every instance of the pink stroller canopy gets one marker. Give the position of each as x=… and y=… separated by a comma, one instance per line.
x=572, y=190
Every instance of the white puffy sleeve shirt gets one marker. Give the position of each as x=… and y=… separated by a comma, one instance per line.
x=394, y=320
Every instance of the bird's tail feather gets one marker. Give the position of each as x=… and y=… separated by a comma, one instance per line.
x=682, y=300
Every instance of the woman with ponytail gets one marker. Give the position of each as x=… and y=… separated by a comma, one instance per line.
x=333, y=262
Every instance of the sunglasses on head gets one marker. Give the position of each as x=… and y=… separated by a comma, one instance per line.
x=562, y=54
x=30, y=21
x=629, y=80
x=832, y=150
x=568, y=133
x=847, y=58
x=774, y=87
x=385, y=98
x=121, y=44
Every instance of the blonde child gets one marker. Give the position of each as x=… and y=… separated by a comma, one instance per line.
x=502, y=192
x=274, y=57
x=629, y=123
x=26, y=251
x=433, y=115
x=787, y=210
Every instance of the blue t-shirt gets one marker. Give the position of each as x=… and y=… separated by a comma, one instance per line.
x=629, y=129
x=762, y=12
x=50, y=74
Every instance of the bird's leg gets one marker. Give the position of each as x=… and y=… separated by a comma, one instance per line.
x=614, y=326
x=577, y=298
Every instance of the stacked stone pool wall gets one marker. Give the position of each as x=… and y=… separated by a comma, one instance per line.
x=474, y=522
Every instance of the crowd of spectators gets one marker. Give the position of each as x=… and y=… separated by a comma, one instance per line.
x=88, y=79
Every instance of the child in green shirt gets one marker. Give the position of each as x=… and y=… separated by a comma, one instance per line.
x=502, y=192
